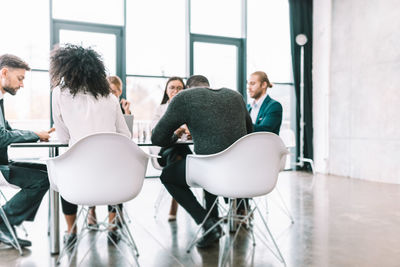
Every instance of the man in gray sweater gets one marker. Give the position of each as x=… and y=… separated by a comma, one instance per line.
x=216, y=118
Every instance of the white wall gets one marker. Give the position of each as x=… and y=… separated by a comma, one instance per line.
x=356, y=72
x=321, y=73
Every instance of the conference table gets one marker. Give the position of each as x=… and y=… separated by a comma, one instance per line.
x=54, y=223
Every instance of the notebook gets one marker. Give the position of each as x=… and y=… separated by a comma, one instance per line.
x=129, y=122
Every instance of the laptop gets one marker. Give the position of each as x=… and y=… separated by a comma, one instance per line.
x=129, y=122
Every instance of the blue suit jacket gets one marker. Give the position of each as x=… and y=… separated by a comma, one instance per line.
x=269, y=118
x=8, y=136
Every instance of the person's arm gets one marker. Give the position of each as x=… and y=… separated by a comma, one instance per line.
x=61, y=129
x=249, y=122
x=270, y=120
x=163, y=133
x=9, y=135
x=120, y=123
x=125, y=104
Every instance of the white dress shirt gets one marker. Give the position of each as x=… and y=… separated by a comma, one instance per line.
x=255, y=107
x=81, y=115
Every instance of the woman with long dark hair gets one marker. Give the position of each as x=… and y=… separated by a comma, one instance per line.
x=177, y=151
x=82, y=104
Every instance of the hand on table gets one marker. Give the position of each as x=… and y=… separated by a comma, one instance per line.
x=45, y=135
x=187, y=132
x=179, y=132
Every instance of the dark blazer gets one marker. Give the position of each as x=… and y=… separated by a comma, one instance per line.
x=8, y=136
x=269, y=118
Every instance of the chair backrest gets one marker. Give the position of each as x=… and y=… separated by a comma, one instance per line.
x=100, y=169
x=154, y=150
x=248, y=168
x=288, y=137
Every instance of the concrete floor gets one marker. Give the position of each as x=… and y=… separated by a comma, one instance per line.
x=339, y=222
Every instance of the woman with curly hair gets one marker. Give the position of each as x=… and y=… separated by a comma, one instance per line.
x=82, y=104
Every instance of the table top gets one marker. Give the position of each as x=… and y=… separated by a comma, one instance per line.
x=149, y=143
x=40, y=144
x=59, y=144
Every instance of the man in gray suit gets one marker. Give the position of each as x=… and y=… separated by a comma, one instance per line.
x=30, y=177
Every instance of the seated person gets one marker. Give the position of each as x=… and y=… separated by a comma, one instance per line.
x=82, y=105
x=116, y=89
x=174, y=152
x=31, y=178
x=226, y=120
x=265, y=112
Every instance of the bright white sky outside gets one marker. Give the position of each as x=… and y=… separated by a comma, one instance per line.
x=156, y=43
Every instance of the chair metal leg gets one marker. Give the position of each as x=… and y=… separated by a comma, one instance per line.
x=285, y=209
x=223, y=254
x=131, y=241
x=280, y=257
x=20, y=226
x=193, y=242
x=73, y=247
x=103, y=227
x=15, y=242
x=127, y=231
x=250, y=226
x=241, y=220
x=159, y=198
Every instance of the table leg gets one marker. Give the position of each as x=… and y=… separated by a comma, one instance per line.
x=54, y=223
x=54, y=214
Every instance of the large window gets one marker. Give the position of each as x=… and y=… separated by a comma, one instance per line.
x=218, y=18
x=268, y=39
x=268, y=50
x=218, y=62
x=93, y=11
x=225, y=40
x=155, y=50
x=27, y=36
x=155, y=38
x=145, y=94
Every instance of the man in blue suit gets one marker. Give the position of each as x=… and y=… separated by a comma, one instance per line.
x=30, y=177
x=265, y=112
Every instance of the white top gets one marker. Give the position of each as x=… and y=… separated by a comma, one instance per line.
x=160, y=111
x=82, y=115
x=255, y=107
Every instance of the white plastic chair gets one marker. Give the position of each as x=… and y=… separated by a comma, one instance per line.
x=289, y=139
x=4, y=183
x=87, y=175
x=154, y=150
x=248, y=168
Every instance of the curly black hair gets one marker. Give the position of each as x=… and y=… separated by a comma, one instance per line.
x=78, y=69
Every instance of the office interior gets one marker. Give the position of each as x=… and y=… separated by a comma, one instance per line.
x=344, y=207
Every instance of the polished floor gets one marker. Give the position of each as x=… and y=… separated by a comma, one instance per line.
x=338, y=222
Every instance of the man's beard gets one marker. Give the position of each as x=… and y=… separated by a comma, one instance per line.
x=10, y=90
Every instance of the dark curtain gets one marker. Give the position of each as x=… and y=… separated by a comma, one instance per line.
x=301, y=13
